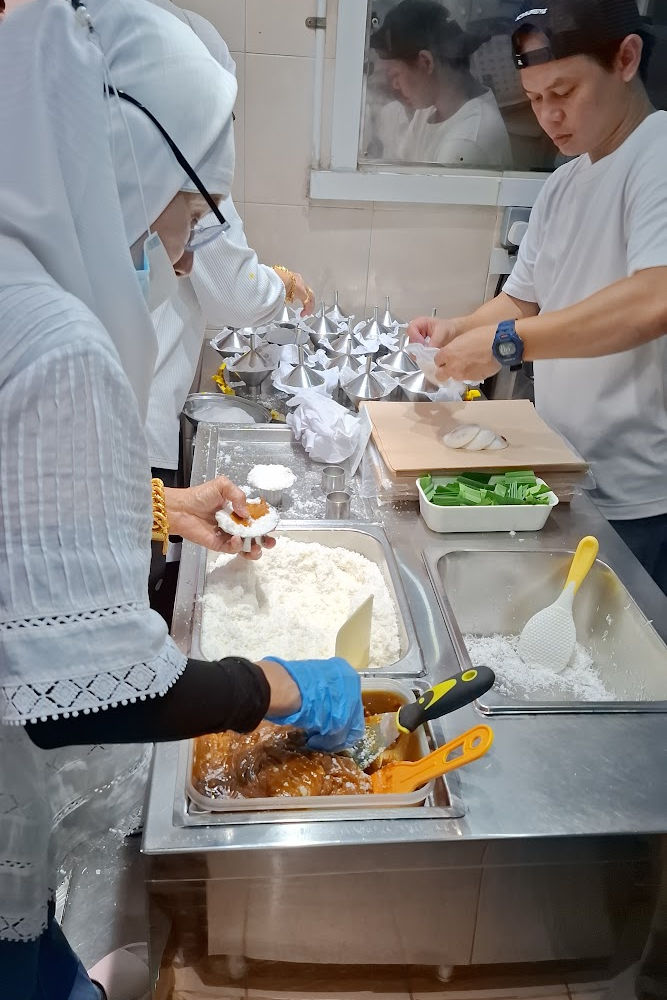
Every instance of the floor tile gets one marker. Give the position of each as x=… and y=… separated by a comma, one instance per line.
x=311, y=981
x=326, y=995
x=426, y=986
x=507, y=993
x=588, y=991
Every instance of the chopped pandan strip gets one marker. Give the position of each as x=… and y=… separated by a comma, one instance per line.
x=474, y=484
x=476, y=478
x=526, y=478
x=470, y=493
x=440, y=500
x=425, y=482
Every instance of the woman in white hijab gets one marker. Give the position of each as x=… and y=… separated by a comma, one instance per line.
x=228, y=286
x=76, y=633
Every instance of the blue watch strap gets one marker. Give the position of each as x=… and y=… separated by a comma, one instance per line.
x=507, y=346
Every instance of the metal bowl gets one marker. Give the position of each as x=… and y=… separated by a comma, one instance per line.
x=201, y=407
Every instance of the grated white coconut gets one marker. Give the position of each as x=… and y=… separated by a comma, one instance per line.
x=260, y=526
x=271, y=477
x=580, y=681
x=291, y=603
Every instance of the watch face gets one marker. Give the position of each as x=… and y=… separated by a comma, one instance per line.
x=507, y=350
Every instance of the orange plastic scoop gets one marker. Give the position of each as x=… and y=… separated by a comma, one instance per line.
x=408, y=775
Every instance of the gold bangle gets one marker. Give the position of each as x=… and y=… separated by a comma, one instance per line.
x=160, y=531
x=291, y=283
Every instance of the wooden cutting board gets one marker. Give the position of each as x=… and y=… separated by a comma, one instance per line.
x=409, y=437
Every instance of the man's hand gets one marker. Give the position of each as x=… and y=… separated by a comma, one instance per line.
x=468, y=357
x=437, y=332
x=191, y=513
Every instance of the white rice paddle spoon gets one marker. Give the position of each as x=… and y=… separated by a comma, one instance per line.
x=549, y=637
x=353, y=642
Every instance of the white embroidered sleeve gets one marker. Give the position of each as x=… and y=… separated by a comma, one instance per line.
x=76, y=631
x=232, y=287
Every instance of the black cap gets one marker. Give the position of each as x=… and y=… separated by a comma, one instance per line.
x=573, y=27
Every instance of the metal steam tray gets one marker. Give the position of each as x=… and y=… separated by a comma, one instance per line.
x=440, y=802
x=332, y=802
x=234, y=451
x=368, y=540
x=484, y=591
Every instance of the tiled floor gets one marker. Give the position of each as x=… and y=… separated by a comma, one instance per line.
x=278, y=981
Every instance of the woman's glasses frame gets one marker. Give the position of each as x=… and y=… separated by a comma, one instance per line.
x=199, y=235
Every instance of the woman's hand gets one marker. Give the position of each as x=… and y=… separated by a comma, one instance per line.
x=329, y=708
x=296, y=288
x=191, y=513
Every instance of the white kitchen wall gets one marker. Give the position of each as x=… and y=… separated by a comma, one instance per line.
x=423, y=256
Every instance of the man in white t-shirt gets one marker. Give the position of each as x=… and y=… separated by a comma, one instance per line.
x=587, y=300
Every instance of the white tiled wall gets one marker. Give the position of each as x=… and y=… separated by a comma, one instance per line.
x=423, y=256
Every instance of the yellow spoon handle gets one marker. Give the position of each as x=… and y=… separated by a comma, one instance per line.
x=407, y=776
x=584, y=557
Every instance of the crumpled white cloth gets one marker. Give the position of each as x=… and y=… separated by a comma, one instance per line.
x=327, y=431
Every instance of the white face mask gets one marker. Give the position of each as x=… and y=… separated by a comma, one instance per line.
x=157, y=278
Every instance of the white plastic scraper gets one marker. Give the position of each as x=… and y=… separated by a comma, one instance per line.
x=353, y=642
x=549, y=637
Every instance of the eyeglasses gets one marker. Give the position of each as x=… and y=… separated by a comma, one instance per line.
x=199, y=235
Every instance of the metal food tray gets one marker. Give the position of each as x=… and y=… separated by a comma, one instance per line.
x=319, y=802
x=484, y=591
x=368, y=540
x=239, y=448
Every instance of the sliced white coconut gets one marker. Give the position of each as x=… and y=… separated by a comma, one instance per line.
x=461, y=436
x=498, y=443
x=481, y=440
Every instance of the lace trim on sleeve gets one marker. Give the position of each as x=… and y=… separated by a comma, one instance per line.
x=39, y=701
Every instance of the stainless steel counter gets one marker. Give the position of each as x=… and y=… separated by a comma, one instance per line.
x=547, y=776
x=543, y=850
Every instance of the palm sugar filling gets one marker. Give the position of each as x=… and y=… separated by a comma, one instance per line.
x=273, y=761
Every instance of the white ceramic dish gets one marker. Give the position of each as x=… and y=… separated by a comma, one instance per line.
x=528, y=517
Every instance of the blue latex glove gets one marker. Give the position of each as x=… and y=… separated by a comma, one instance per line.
x=331, y=710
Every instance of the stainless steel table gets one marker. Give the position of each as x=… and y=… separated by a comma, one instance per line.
x=545, y=850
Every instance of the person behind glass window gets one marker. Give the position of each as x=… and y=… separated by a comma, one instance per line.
x=455, y=119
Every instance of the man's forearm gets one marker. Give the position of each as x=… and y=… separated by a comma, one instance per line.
x=622, y=316
x=496, y=310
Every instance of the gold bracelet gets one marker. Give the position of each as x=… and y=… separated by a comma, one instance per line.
x=291, y=284
x=160, y=531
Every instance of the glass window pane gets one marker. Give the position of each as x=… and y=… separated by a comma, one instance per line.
x=441, y=88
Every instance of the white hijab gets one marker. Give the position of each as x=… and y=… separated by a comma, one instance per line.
x=70, y=200
x=61, y=220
